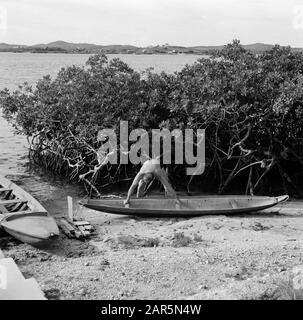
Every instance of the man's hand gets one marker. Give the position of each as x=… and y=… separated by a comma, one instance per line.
x=126, y=203
x=178, y=204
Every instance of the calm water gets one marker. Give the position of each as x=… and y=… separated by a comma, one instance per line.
x=16, y=68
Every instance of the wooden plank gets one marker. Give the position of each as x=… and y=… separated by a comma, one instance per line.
x=3, y=209
x=5, y=189
x=83, y=231
x=70, y=208
x=75, y=231
x=3, y=202
x=22, y=194
x=81, y=223
x=67, y=229
x=17, y=213
x=67, y=225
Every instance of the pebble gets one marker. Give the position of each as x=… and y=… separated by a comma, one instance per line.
x=203, y=287
x=94, y=279
x=104, y=262
x=52, y=294
x=45, y=258
x=82, y=292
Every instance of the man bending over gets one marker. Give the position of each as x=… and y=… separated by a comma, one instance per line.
x=149, y=170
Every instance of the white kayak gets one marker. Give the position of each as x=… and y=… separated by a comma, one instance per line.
x=23, y=217
x=189, y=206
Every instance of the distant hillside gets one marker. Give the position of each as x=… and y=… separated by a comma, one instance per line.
x=120, y=46
x=82, y=47
x=11, y=46
x=68, y=47
x=206, y=48
x=259, y=47
x=255, y=47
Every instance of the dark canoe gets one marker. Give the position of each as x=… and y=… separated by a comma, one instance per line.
x=23, y=217
x=190, y=206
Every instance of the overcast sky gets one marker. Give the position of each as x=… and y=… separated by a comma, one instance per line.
x=151, y=22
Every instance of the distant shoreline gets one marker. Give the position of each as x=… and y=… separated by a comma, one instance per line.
x=87, y=48
x=122, y=53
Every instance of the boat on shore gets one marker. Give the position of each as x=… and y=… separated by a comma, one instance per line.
x=23, y=217
x=189, y=206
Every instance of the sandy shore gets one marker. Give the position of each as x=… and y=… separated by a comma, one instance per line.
x=211, y=257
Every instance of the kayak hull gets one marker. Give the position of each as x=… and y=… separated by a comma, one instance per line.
x=33, y=228
x=190, y=206
x=23, y=217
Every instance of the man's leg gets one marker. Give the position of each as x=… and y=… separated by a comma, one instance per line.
x=141, y=188
x=169, y=190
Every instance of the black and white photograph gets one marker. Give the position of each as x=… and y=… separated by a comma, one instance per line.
x=151, y=150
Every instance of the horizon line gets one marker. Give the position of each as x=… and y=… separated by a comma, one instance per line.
x=152, y=45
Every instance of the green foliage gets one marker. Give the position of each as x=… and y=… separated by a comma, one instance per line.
x=250, y=105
